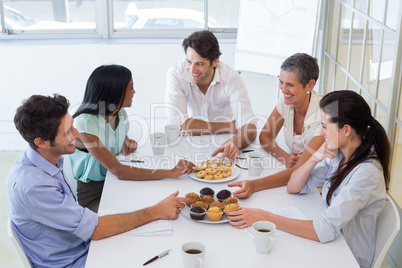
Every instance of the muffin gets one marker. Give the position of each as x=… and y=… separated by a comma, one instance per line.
x=193, y=197
x=228, y=164
x=222, y=195
x=199, y=204
x=197, y=213
x=231, y=207
x=214, y=214
x=217, y=204
x=207, y=199
x=207, y=191
x=230, y=200
x=226, y=174
x=199, y=168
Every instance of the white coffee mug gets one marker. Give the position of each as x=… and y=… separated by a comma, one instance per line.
x=158, y=142
x=254, y=161
x=173, y=133
x=264, y=232
x=193, y=254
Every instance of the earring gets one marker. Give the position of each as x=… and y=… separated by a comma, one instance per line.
x=308, y=92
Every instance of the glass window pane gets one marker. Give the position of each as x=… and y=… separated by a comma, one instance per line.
x=352, y=86
x=361, y=5
x=329, y=75
x=400, y=104
x=377, y=10
x=49, y=14
x=391, y=19
x=384, y=83
x=149, y=14
x=381, y=116
x=224, y=13
x=371, y=58
x=343, y=41
x=334, y=27
x=340, y=79
x=368, y=99
x=396, y=167
x=357, y=47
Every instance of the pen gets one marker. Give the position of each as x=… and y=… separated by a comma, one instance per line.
x=163, y=254
x=247, y=151
x=133, y=161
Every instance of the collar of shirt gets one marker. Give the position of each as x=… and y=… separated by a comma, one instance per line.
x=39, y=161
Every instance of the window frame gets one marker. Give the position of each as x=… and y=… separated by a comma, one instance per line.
x=105, y=28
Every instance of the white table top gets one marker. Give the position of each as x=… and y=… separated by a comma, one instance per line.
x=226, y=246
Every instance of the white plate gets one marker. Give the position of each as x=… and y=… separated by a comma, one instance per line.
x=186, y=212
x=235, y=174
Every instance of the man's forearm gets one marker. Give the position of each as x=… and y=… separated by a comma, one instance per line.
x=197, y=126
x=244, y=136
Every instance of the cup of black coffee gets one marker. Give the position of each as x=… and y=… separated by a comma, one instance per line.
x=193, y=254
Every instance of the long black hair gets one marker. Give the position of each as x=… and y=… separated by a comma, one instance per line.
x=105, y=90
x=345, y=107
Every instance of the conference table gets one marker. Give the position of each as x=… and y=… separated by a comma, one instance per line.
x=225, y=245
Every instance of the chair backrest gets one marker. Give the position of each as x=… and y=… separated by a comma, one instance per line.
x=16, y=241
x=388, y=224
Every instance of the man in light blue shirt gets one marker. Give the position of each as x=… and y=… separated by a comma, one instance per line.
x=54, y=230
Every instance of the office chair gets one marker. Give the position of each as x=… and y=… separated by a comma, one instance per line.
x=16, y=241
x=388, y=224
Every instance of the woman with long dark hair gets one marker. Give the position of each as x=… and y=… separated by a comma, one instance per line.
x=352, y=168
x=103, y=123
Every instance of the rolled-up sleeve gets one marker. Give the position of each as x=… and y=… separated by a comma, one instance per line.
x=359, y=188
x=50, y=207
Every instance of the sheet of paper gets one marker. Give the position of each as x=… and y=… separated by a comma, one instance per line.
x=289, y=212
x=154, y=228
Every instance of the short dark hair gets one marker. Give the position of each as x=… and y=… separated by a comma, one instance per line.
x=105, y=90
x=204, y=43
x=40, y=116
x=304, y=65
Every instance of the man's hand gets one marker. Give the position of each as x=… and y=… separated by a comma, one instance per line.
x=182, y=167
x=228, y=150
x=169, y=208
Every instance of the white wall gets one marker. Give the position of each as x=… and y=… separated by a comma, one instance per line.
x=47, y=67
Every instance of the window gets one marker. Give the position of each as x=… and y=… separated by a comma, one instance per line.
x=116, y=18
x=362, y=55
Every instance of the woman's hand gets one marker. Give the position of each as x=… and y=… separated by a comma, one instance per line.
x=182, y=167
x=129, y=146
x=324, y=152
x=293, y=158
x=247, y=188
x=245, y=217
x=228, y=149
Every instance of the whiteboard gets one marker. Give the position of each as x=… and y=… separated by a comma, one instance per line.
x=270, y=31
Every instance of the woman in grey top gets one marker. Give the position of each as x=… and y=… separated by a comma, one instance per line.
x=352, y=166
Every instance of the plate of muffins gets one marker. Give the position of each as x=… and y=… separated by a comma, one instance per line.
x=206, y=208
x=215, y=171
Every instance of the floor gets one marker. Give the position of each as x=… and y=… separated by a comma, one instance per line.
x=8, y=255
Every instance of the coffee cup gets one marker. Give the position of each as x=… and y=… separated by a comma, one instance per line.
x=263, y=232
x=158, y=142
x=172, y=133
x=193, y=254
x=254, y=161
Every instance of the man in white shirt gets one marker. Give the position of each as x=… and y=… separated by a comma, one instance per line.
x=204, y=94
